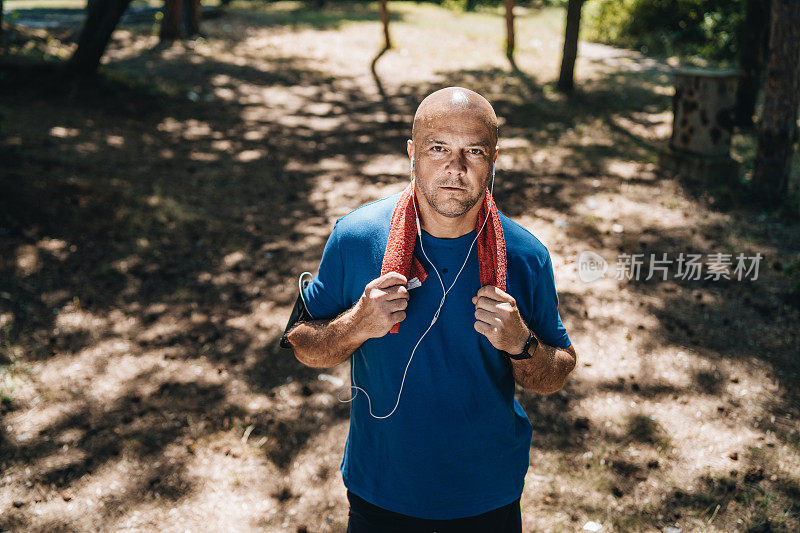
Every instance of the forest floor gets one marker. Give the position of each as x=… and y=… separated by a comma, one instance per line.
x=153, y=225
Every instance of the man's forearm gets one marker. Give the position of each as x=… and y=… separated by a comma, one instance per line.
x=326, y=343
x=547, y=371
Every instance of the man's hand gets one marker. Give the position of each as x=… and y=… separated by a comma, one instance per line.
x=383, y=304
x=498, y=319
x=326, y=343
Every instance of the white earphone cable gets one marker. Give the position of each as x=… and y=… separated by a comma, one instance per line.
x=435, y=315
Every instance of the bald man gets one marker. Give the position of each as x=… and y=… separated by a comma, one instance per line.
x=437, y=440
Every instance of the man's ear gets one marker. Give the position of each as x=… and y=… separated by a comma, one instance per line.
x=410, y=147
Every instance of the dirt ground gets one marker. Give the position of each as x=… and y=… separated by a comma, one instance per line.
x=153, y=227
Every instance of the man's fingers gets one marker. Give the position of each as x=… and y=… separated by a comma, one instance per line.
x=487, y=303
x=493, y=293
x=493, y=306
x=487, y=317
x=397, y=304
x=397, y=291
x=483, y=328
x=398, y=316
x=481, y=302
x=389, y=279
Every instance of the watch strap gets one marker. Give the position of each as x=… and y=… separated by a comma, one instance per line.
x=526, y=353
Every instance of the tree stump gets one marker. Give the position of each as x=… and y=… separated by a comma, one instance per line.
x=703, y=118
x=703, y=107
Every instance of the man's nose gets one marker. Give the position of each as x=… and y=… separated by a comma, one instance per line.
x=457, y=162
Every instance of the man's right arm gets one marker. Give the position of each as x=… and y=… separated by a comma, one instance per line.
x=326, y=343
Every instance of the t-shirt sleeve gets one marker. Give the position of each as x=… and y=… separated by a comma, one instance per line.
x=546, y=322
x=324, y=294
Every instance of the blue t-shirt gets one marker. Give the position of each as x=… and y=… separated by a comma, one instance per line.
x=457, y=445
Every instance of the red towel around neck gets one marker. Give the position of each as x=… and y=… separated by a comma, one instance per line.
x=399, y=256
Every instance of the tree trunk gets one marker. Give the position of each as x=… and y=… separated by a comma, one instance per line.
x=777, y=131
x=2, y=35
x=753, y=42
x=566, y=81
x=509, y=28
x=385, y=20
x=193, y=14
x=171, y=23
x=102, y=17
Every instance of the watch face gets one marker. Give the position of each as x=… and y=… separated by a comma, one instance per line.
x=527, y=353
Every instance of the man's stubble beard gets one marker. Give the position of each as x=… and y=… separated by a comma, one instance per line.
x=463, y=205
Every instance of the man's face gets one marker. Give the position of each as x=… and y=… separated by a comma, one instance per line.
x=453, y=157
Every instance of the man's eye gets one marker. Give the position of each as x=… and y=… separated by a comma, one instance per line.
x=477, y=151
x=434, y=148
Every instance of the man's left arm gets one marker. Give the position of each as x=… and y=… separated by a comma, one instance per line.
x=545, y=372
x=498, y=319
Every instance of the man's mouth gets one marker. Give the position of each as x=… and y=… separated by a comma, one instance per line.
x=452, y=188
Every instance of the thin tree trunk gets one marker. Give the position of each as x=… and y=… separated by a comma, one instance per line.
x=194, y=15
x=566, y=80
x=102, y=18
x=753, y=42
x=171, y=23
x=384, y=9
x=778, y=128
x=509, y=28
x=2, y=35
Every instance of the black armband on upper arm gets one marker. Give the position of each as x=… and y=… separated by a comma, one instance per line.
x=299, y=314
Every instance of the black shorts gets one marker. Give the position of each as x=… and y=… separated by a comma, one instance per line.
x=365, y=517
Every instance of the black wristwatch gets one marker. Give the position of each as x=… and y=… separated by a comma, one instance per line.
x=527, y=351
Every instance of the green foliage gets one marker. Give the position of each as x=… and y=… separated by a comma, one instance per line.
x=455, y=5
x=708, y=28
x=465, y=5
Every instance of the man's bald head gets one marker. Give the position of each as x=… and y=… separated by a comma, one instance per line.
x=452, y=100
